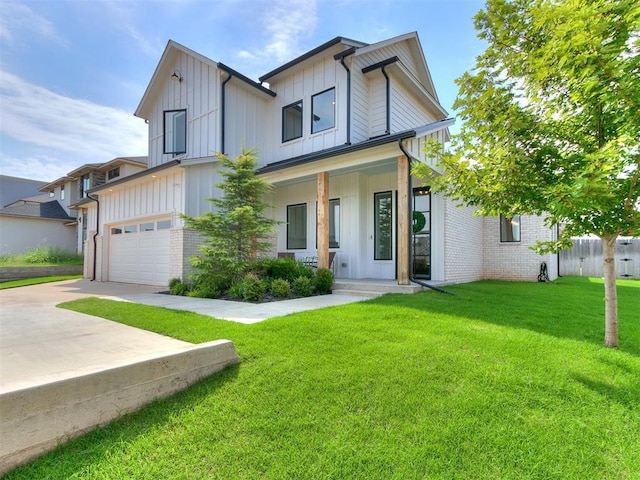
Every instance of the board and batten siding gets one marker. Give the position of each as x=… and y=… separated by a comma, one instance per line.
x=199, y=94
x=148, y=197
x=310, y=79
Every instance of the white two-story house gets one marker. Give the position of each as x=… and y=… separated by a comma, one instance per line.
x=337, y=131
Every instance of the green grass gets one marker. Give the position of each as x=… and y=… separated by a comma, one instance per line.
x=502, y=381
x=35, y=281
x=41, y=256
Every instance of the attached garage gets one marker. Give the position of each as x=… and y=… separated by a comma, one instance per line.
x=139, y=252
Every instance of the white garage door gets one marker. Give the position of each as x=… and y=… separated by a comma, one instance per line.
x=139, y=252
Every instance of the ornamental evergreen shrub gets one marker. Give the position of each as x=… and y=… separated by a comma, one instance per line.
x=324, y=280
x=303, y=286
x=253, y=289
x=280, y=288
x=178, y=287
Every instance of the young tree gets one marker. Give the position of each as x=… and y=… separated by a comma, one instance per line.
x=238, y=229
x=551, y=122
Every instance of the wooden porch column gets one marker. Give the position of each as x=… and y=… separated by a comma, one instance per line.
x=323, y=220
x=403, y=221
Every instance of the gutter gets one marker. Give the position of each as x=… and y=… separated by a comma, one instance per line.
x=410, y=226
x=95, y=248
x=341, y=56
x=222, y=111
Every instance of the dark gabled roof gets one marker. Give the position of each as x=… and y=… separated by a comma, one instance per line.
x=311, y=53
x=50, y=210
x=335, y=151
x=246, y=79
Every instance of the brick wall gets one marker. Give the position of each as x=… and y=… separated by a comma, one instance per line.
x=184, y=243
x=515, y=260
x=463, y=245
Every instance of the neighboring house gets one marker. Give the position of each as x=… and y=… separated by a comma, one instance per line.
x=14, y=188
x=34, y=222
x=336, y=131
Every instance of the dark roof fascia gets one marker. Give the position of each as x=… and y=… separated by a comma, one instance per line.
x=345, y=53
x=80, y=203
x=335, y=151
x=135, y=176
x=381, y=64
x=309, y=54
x=246, y=79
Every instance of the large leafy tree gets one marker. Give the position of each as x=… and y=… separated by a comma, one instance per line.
x=238, y=229
x=551, y=122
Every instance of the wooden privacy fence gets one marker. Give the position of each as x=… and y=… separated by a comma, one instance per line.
x=585, y=258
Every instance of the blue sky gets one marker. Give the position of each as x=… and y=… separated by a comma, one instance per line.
x=73, y=72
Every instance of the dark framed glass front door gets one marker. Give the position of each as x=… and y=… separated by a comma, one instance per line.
x=421, y=245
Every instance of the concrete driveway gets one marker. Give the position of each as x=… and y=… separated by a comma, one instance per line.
x=40, y=343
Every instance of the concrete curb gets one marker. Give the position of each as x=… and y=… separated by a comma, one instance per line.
x=37, y=419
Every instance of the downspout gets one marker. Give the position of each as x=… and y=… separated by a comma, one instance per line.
x=410, y=224
x=342, y=56
x=95, y=242
x=388, y=90
x=222, y=112
x=558, y=253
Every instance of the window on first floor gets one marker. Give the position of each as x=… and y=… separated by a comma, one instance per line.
x=297, y=226
x=383, y=226
x=292, y=121
x=510, y=228
x=323, y=111
x=334, y=223
x=175, y=131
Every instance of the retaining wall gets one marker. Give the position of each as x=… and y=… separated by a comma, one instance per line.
x=18, y=273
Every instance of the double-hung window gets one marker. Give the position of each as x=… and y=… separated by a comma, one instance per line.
x=510, y=228
x=323, y=112
x=292, y=121
x=175, y=131
x=297, y=226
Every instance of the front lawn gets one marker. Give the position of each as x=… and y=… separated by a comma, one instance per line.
x=23, y=282
x=501, y=381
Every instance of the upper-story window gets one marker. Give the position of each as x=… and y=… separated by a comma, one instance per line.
x=62, y=192
x=510, y=228
x=113, y=173
x=292, y=121
x=175, y=131
x=52, y=193
x=323, y=111
x=85, y=184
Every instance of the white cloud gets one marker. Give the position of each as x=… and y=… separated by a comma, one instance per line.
x=17, y=19
x=286, y=22
x=124, y=20
x=65, y=127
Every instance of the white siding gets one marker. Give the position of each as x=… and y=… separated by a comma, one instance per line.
x=407, y=111
x=377, y=104
x=360, y=109
x=148, y=197
x=200, y=181
x=302, y=84
x=199, y=94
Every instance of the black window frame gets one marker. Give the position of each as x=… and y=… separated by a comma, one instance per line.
x=503, y=228
x=388, y=193
x=306, y=219
x=284, y=129
x=113, y=173
x=313, y=115
x=85, y=184
x=175, y=150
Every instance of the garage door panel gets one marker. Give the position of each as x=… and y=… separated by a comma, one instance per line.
x=140, y=257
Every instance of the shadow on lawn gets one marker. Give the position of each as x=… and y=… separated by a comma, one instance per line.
x=570, y=308
x=95, y=446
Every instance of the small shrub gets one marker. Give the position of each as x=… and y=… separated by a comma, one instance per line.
x=45, y=254
x=236, y=291
x=178, y=287
x=303, y=286
x=324, y=280
x=253, y=289
x=280, y=288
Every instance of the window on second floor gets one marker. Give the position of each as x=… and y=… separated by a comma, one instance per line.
x=62, y=192
x=323, y=112
x=510, y=228
x=175, y=131
x=113, y=173
x=292, y=121
x=85, y=184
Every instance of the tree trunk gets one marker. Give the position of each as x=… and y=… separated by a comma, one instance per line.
x=610, y=293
